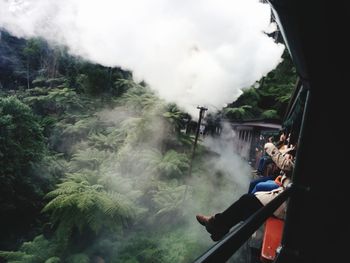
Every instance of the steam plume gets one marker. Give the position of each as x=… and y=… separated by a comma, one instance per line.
x=192, y=52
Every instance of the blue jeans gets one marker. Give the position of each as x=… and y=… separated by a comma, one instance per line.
x=265, y=186
x=262, y=179
x=263, y=162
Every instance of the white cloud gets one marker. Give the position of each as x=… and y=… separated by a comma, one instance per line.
x=197, y=52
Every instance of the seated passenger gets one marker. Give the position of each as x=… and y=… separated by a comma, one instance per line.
x=220, y=224
x=271, y=182
x=263, y=162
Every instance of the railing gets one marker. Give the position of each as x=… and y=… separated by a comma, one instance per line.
x=224, y=249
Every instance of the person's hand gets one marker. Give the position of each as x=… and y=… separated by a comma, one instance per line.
x=278, y=180
x=269, y=145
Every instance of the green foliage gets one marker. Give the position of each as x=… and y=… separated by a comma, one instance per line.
x=249, y=97
x=111, y=142
x=40, y=250
x=169, y=199
x=53, y=101
x=32, y=52
x=80, y=127
x=276, y=88
x=88, y=159
x=99, y=196
x=97, y=79
x=148, y=247
x=169, y=165
x=78, y=258
x=175, y=116
x=139, y=98
x=269, y=114
x=179, y=246
x=72, y=130
x=53, y=260
x=239, y=113
x=22, y=149
x=123, y=194
x=140, y=248
x=77, y=203
x=270, y=99
x=122, y=85
x=39, y=82
x=21, y=138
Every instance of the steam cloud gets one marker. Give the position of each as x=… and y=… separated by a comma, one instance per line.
x=192, y=52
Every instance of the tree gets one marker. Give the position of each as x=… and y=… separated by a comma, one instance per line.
x=22, y=145
x=175, y=116
x=40, y=250
x=169, y=165
x=239, y=113
x=21, y=138
x=33, y=52
x=140, y=98
x=269, y=99
x=169, y=199
x=77, y=204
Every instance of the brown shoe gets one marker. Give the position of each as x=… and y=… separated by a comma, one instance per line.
x=216, y=231
x=205, y=220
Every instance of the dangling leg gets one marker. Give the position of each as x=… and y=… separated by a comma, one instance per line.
x=221, y=223
x=239, y=211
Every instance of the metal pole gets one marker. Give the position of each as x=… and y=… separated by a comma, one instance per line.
x=201, y=114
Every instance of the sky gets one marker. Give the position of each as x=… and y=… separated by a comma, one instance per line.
x=193, y=53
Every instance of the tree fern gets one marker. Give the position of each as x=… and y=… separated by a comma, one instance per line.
x=140, y=98
x=169, y=198
x=109, y=142
x=81, y=127
x=77, y=203
x=174, y=116
x=171, y=164
x=89, y=158
x=40, y=250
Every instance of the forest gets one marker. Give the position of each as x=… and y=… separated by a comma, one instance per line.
x=94, y=166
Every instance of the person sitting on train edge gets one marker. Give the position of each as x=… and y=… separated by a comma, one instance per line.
x=264, y=161
x=220, y=224
x=269, y=178
x=272, y=182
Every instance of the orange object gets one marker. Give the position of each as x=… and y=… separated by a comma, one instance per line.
x=272, y=239
x=278, y=180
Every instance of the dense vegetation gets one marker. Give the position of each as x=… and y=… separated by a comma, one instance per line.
x=268, y=98
x=94, y=166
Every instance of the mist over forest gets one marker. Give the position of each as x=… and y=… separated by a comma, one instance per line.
x=94, y=165
x=98, y=116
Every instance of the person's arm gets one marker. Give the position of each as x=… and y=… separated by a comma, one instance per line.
x=282, y=162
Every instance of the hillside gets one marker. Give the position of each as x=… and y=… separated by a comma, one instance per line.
x=94, y=166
